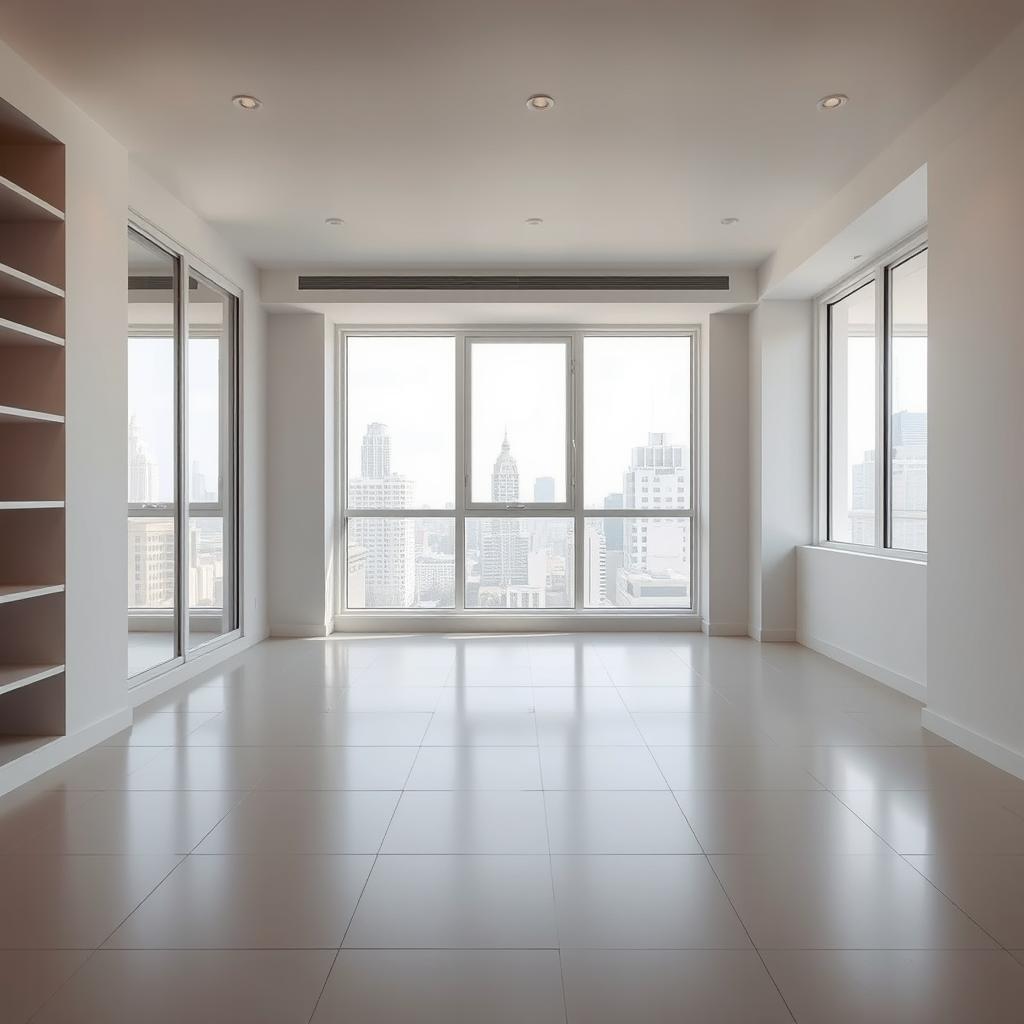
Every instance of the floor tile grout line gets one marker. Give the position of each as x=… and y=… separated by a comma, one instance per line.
x=355, y=907
x=914, y=868
x=711, y=867
x=96, y=949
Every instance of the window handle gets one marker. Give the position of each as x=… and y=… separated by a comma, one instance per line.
x=515, y=507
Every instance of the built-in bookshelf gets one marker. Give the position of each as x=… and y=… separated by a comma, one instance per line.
x=32, y=460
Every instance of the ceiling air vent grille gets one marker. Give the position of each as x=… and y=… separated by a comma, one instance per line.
x=506, y=283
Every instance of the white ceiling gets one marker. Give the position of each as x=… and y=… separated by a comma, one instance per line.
x=408, y=119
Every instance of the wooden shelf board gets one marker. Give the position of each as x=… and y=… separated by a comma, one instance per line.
x=14, y=677
x=12, y=333
x=18, y=205
x=11, y=592
x=13, y=747
x=15, y=284
x=9, y=505
x=10, y=414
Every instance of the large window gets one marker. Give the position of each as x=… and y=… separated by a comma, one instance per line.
x=182, y=440
x=518, y=472
x=876, y=387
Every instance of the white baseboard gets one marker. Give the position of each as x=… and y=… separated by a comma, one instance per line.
x=990, y=750
x=299, y=629
x=33, y=764
x=724, y=628
x=772, y=636
x=904, y=684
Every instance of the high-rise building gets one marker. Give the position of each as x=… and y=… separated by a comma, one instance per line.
x=375, y=453
x=143, y=473
x=655, y=566
x=390, y=543
x=504, y=549
x=544, y=489
x=909, y=483
x=505, y=476
x=595, y=572
x=151, y=563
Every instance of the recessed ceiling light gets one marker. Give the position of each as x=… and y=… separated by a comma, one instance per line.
x=833, y=101
x=247, y=102
x=534, y=221
x=540, y=101
x=729, y=221
x=335, y=222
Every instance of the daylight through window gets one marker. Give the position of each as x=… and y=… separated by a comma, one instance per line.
x=518, y=473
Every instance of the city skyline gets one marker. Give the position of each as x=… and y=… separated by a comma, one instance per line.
x=521, y=561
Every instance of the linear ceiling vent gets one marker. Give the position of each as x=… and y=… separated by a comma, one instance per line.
x=495, y=283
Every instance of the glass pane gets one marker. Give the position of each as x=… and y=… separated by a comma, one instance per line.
x=401, y=562
x=519, y=563
x=152, y=329
x=636, y=422
x=518, y=402
x=212, y=442
x=852, y=445
x=908, y=426
x=152, y=563
x=401, y=422
x=636, y=562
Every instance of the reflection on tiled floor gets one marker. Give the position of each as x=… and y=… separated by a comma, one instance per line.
x=587, y=829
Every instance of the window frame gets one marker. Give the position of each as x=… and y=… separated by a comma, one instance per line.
x=877, y=272
x=182, y=509
x=465, y=508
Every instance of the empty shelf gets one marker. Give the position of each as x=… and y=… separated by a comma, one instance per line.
x=14, y=677
x=9, y=414
x=18, y=205
x=12, y=333
x=10, y=592
x=9, y=505
x=15, y=284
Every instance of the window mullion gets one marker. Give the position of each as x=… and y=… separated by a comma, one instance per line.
x=462, y=449
x=881, y=416
x=576, y=470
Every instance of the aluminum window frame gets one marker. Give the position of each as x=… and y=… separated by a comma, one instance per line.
x=186, y=265
x=577, y=615
x=879, y=273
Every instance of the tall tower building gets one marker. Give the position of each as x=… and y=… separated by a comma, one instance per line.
x=505, y=477
x=544, y=489
x=656, y=551
x=143, y=477
x=389, y=544
x=375, y=454
x=504, y=551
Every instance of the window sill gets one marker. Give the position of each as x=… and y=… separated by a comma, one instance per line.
x=882, y=556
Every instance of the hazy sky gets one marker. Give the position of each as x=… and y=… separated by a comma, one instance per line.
x=910, y=356
x=151, y=402
x=634, y=386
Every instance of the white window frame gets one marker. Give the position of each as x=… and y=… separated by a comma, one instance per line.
x=575, y=617
x=877, y=272
x=182, y=510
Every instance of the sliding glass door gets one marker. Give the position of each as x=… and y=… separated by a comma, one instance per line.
x=182, y=440
x=153, y=293
x=212, y=449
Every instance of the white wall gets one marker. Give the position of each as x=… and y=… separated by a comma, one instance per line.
x=725, y=477
x=102, y=187
x=867, y=612
x=300, y=408
x=781, y=461
x=972, y=590
x=976, y=430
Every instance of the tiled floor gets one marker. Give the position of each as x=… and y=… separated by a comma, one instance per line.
x=655, y=828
